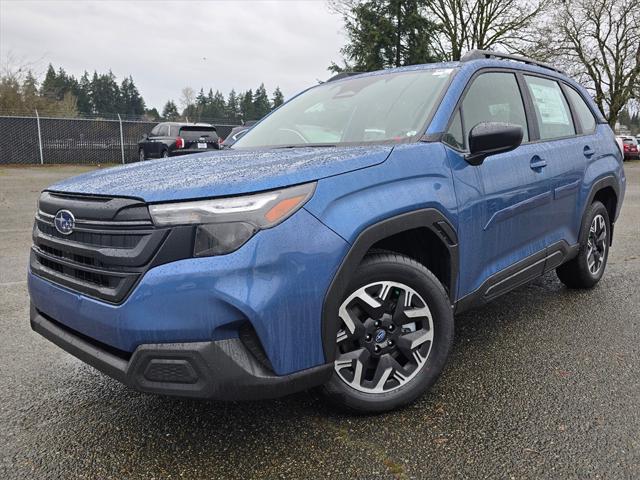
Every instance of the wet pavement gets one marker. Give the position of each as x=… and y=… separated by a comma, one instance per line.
x=542, y=383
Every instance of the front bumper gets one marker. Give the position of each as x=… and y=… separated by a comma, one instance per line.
x=219, y=370
x=275, y=283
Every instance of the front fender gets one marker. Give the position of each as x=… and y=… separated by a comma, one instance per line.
x=413, y=188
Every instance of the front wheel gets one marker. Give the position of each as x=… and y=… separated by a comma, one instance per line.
x=396, y=330
x=587, y=268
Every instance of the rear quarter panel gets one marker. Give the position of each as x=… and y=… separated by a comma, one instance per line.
x=608, y=162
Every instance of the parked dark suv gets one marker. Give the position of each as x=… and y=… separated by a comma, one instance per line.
x=334, y=242
x=169, y=139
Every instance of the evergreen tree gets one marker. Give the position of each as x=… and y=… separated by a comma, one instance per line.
x=84, y=94
x=218, y=106
x=170, y=111
x=207, y=111
x=387, y=33
x=261, y=104
x=152, y=114
x=131, y=103
x=233, y=107
x=278, y=98
x=246, y=105
x=105, y=93
x=201, y=99
x=51, y=86
x=30, y=87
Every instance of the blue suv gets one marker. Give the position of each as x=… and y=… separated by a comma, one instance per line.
x=333, y=244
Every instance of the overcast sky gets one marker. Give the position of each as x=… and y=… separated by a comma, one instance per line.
x=166, y=46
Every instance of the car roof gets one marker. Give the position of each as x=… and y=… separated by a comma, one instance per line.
x=186, y=124
x=474, y=64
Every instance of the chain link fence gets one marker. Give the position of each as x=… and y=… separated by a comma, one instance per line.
x=46, y=140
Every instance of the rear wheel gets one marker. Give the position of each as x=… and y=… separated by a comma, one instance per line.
x=587, y=268
x=396, y=329
x=165, y=153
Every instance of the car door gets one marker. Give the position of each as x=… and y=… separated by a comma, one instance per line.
x=504, y=203
x=160, y=142
x=151, y=142
x=565, y=154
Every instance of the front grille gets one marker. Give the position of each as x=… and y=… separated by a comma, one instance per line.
x=90, y=238
x=113, y=243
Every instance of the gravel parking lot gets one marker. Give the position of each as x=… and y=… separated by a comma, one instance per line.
x=542, y=383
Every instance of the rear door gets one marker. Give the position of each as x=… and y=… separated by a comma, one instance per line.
x=149, y=144
x=157, y=141
x=199, y=137
x=504, y=204
x=565, y=151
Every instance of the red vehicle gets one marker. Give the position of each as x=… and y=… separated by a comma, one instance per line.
x=630, y=148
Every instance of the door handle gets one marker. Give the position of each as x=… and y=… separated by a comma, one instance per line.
x=537, y=163
x=588, y=151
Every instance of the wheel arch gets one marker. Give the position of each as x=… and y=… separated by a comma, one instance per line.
x=428, y=220
x=607, y=191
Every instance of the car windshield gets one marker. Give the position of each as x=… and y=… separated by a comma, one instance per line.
x=389, y=107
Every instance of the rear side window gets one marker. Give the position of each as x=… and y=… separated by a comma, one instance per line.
x=163, y=130
x=552, y=110
x=494, y=97
x=156, y=129
x=587, y=120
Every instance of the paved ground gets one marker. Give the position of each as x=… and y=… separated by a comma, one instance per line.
x=543, y=383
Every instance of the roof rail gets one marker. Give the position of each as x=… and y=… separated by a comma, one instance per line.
x=482, y=54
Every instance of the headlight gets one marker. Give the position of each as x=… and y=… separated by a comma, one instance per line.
x=225, y=224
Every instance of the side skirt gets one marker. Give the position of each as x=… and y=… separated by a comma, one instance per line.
x=518, y=274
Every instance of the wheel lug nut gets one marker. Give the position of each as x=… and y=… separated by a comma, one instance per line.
x=367, y=338
x=377, y=348
x=377, y=323
x=390, y=343
x=391, y=327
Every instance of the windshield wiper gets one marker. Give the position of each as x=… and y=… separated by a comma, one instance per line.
x=307, y=145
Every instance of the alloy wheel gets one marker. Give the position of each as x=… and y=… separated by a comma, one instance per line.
x=385, y=337
x=596, y=244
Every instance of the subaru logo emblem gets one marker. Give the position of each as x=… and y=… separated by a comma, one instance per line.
x=64, y=221
x=380, y=336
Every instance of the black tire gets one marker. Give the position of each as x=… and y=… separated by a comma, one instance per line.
x=164, y=154
x=141, y=156
x=391, y=267
x=578, y=272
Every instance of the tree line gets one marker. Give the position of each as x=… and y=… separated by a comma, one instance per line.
x=101, y=95
x=597, y=42
x=236, y=107
x=62, y=94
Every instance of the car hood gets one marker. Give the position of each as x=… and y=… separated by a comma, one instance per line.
x=226, y=172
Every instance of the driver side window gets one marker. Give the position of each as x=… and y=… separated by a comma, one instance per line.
x=494, y=97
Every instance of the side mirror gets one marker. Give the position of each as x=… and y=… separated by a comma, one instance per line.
x=491, y=138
